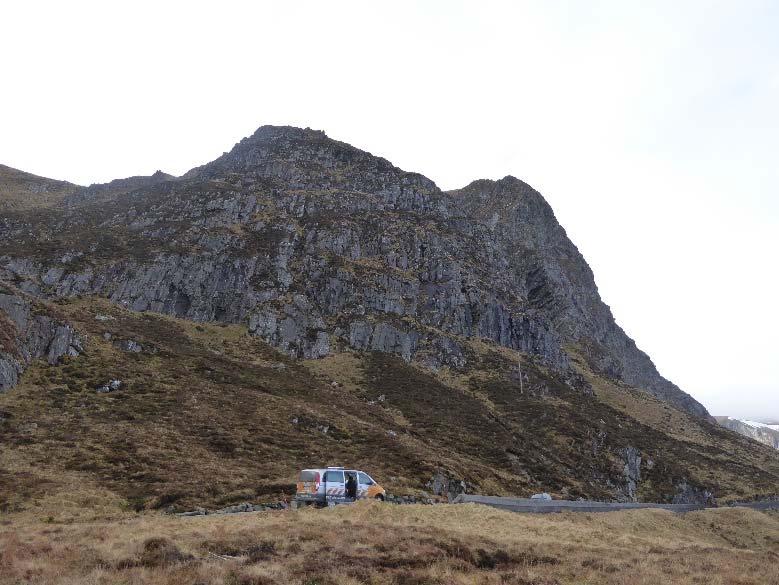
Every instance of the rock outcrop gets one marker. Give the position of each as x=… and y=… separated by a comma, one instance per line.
x=443, y=485
x=26, y=334
x=319, y=247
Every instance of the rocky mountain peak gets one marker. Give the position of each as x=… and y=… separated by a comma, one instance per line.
x=509, y=201
x=320, y=247
x=269, y=132
x=158, y=175
x=298, y=158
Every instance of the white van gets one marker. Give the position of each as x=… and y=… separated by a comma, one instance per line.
x=325, y=486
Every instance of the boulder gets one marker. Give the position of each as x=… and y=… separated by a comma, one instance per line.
x=543, y=497
x=110, y=386
x=687, y=493
x=130, y=346
x=442, y=485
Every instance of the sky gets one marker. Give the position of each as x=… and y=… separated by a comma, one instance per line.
x=652, y=128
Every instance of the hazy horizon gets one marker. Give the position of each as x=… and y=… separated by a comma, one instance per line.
x=652, y=130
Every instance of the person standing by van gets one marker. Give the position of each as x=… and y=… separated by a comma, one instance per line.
x=351, y=487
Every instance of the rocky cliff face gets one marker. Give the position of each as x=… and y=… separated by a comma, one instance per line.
x=319, y=247
x=763, y=433
x=27, y=334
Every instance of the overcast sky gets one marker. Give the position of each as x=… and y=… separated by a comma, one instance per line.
x=652, y=128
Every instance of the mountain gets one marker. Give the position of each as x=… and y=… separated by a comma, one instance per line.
x=768, y=434
x=300, y=301
x=315, y=243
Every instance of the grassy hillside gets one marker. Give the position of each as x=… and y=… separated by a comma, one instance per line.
x=384, y=544
x=208, y=415
x=24, y=191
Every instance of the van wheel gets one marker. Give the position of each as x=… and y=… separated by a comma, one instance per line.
x=380, y=498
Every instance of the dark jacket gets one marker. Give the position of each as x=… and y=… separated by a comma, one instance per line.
x=351, y=487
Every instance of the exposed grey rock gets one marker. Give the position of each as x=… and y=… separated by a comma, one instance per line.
x=195, y=512
x=64, y=342
x=383, y=337
x=442, y=485
x=632, y=471
x=31, y=335
x=111, y=386
x=319, y=246
x=687, y=493
x=10, y=369
x=407, y=499
x=297, y=330
x=449, y=353
x=131, y=346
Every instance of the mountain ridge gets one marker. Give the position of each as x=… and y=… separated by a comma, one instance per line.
x=316, y=301
x=309, y=160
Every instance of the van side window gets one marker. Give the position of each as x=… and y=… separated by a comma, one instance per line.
x=334, y=477
x=364, y=479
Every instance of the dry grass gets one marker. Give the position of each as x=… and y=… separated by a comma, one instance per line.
x=24, y=191
x=383, y=544
x=717, y=449
x=209, y=416
x=645, y=407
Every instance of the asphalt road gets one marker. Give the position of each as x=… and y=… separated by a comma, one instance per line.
x=551, y=506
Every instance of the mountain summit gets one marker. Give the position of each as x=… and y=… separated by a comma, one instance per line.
x=318, y=246
x=337, y=260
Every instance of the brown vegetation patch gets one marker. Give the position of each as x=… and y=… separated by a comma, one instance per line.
x=209, y=416
x=156, y=552
x=383, y=544
x=7, y=334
